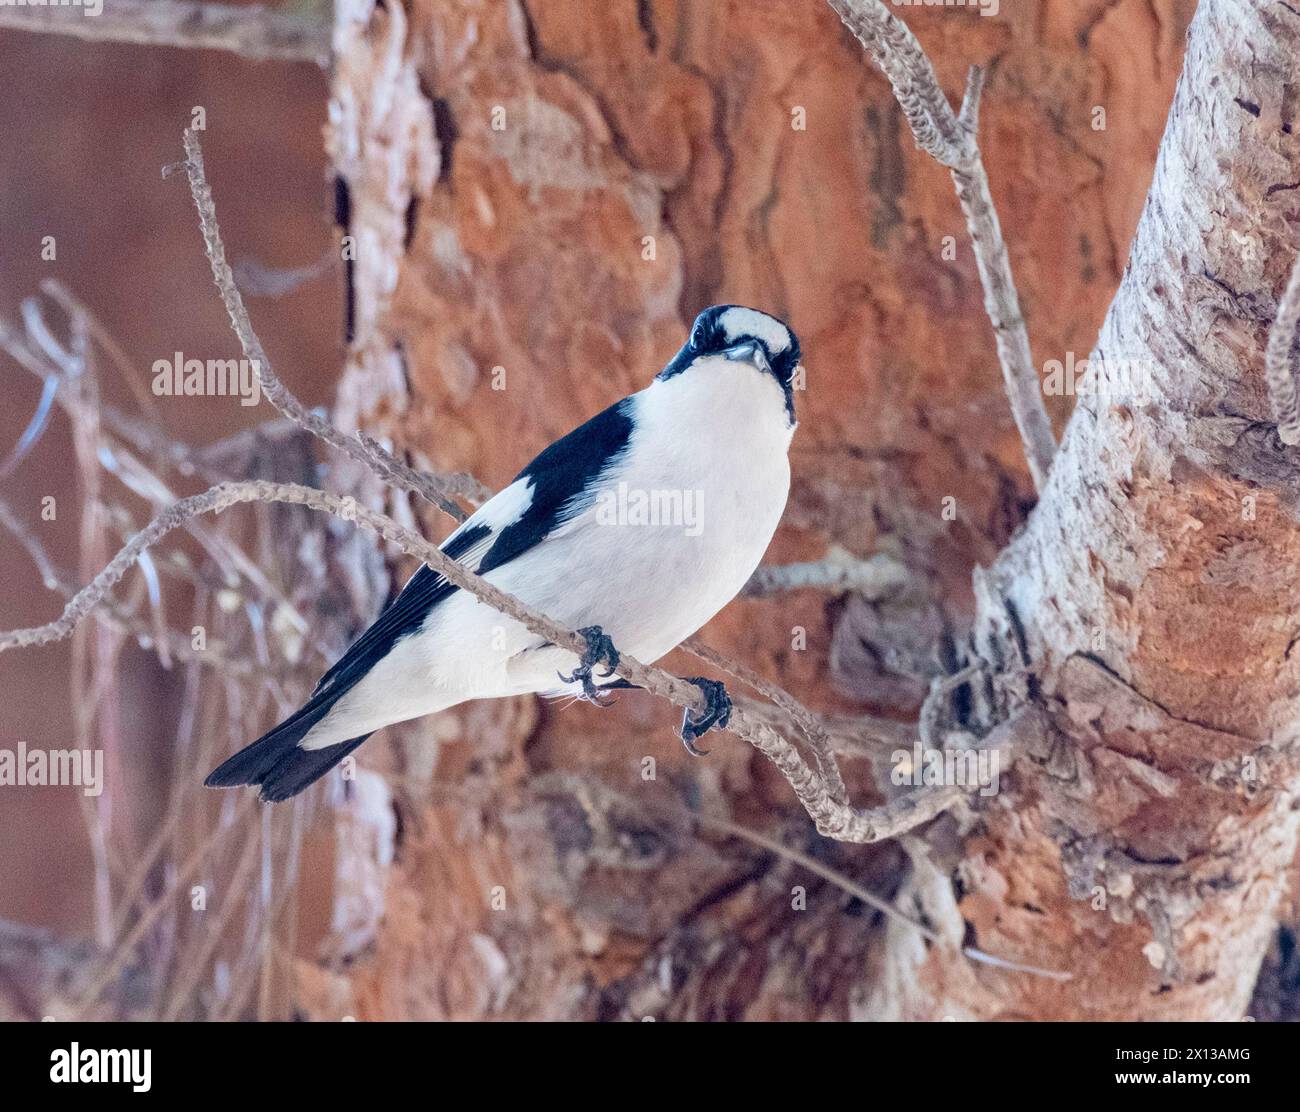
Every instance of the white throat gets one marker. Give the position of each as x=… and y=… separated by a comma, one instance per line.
x=721, y=397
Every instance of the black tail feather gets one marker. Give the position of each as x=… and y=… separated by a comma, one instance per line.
x=301, y=768
x=277, y=763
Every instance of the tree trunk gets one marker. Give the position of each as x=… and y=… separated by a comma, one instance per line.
x=1146, y=843
x=541, y=199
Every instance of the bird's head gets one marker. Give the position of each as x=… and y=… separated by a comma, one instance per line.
x=738, y=334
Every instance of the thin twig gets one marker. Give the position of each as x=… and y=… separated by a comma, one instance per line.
x=950, y=140
x=1002, y=304
x=129, y=371
x=1279, y=372
x=127, y=943
x=365, y=451
x=896, y=51
x=252, y=31
x=869, y=898
x=94, y=692
x=118, y=617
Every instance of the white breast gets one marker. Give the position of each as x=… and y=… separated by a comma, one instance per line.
x=682, y=522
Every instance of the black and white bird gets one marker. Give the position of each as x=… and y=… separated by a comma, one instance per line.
x=636, y=528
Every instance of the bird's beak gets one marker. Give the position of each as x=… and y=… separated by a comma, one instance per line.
x=749, y=351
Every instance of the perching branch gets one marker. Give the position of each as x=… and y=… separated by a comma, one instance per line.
x=809, y=724
x=252, y=32
x=1279, y=372
x=389, y=467
x=950, y=140
x=832, y=818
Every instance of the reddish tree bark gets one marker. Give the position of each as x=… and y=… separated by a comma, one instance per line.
x=1154, y=614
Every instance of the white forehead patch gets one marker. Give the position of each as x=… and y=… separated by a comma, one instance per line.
x=737, y=322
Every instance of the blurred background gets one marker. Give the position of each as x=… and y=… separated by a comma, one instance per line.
x=656, y=156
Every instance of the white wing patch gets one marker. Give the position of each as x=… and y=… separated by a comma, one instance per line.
x=739, y=321
x=504, y=508
x=499, y=512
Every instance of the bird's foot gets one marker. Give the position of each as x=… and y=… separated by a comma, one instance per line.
x=716, y=712
x=600, y=649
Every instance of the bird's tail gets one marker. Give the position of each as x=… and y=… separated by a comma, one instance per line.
x=277, y=763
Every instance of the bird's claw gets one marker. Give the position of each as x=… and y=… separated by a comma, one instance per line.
x=599, y=649
x=716, y=712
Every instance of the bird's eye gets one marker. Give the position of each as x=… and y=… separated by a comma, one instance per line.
x=697, y=337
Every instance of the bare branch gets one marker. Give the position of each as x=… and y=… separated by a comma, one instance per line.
x=896, y=51
x=832, y=817
x=1002, y=304
x=950, y=140
x=969, y=116
x=366, y=452
x=253, y=32
x=1279, y=372
x=389, y=467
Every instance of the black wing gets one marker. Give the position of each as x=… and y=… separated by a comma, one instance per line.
x=559, y=477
